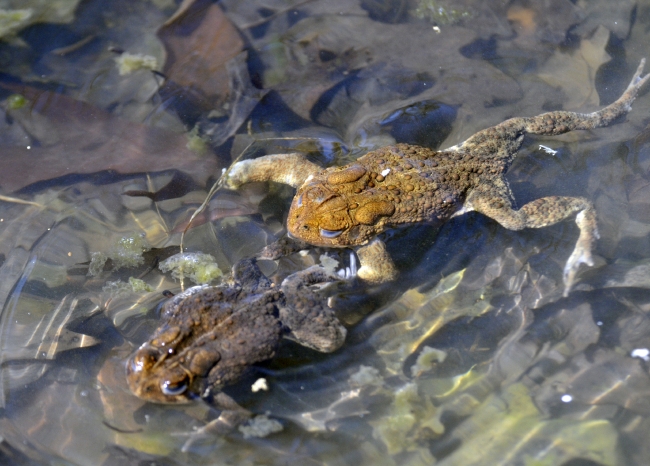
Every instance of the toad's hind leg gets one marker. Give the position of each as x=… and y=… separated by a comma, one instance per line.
x=306, y=314
x=503, y=140
x=540, y=213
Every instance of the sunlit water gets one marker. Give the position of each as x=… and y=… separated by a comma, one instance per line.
x=471, y=357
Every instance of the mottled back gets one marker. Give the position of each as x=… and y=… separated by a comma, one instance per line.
x=392, y=186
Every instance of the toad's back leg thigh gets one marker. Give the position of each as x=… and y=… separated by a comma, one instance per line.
x=540, y=213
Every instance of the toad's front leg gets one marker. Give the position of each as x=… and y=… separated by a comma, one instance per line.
x=292, y=169
x=232, y=415
x=376, y=264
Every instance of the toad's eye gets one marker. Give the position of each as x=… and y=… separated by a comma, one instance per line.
x=173, y=388
x=330, y=233
x=305, y=227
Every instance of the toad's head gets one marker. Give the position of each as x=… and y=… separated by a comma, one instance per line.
x=157, y=372
x=337, y=214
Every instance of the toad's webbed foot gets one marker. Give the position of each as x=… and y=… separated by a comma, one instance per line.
x=540, y=213
x=232, y=415
x=586, y=221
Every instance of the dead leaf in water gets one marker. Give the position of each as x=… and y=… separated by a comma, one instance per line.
x=575, y=73
x=207, y=68
x=200, y=40
x=90, y=140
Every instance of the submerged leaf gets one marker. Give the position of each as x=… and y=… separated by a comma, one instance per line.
x=575, y=73
x=87, y=140
x=18, y=14
x=200, y=40
x=11, y=21
x=508, y=429
x=417, y=316
x=207, y=68
x=400, y=428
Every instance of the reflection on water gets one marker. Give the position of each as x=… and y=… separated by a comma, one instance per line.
x=471, y=357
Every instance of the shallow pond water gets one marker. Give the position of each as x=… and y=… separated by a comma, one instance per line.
x=118, y=118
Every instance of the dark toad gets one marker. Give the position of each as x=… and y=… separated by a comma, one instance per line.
x=212, y=334
x=405, y=184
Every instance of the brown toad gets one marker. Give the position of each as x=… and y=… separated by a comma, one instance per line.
x=404, y=184
x=212, y=334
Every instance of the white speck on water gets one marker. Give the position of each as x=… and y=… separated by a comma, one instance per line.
x=643, y=353
x=260, y=384
x=567, y=398
x=548, y=150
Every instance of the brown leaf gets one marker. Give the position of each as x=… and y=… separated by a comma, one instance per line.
x=200, y=40
x=91, y=140
x=575, y=73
